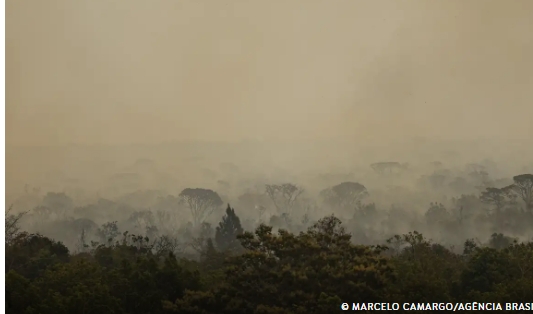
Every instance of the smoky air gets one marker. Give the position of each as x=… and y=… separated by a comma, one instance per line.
x=267, y=157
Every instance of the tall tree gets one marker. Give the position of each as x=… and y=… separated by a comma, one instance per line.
x=523, y=186
x=201, y=203
x=228, y=230
x=283, y=196
x=494, y=196
x=344, y=195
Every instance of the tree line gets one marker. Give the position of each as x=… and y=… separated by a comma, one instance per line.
x=259, y=271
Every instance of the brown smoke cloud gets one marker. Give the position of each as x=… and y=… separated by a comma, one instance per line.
x=149, y=71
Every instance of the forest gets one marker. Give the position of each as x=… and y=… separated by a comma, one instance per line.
x=267, y=157
x=274, y=248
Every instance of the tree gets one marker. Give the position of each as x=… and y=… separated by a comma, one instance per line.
x=499, y=241
x=311, y=272
x=12, y=222
x=344, y=195
x=59, y=203
x=201, y=203
x=436, y=213
x=523, y=186
x=283, y=196
x=31, y=254
x=428, y=270
x=108, y=232
x=227, y=231
x=494, y=196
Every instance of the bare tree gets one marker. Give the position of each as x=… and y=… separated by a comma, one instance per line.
x=166, y=244
x=201, y=203
x=12, y=224
x=284, y=196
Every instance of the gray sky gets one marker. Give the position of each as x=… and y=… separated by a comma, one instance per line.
x=148, y=71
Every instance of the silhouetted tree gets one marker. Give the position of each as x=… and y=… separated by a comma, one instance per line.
x=494, y=196
x=523, y=186
x=227, y=231
x=201, y=203
x=283, y=196
x=436, y=213
x=12, y=224
x=344, y=195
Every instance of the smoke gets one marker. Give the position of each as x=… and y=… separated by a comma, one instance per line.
x=362, y=78
x=117, y=72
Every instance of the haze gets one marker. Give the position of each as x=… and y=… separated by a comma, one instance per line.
x=143, y=137
x=342, y=84
x=151, y=71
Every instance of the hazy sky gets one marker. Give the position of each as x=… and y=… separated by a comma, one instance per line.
x=146, y=71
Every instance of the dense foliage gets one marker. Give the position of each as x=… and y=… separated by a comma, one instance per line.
x=279, y=254
x=308, y=272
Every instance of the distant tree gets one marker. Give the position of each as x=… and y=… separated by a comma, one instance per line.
x=142, y=219
x=283, y=196
x=201, y=203
x=84, y=224
x=367, y=213
x=436, y=213
x=227, y=231
x=468, y=205
x=165, y=244
x=12, y=227
x=108, y=232
x=58, y=203
x=481, y=178
x=494, y=196
x=499, y=241
x=345, y=195
x=261, y=210
x=42, y=213
x=523, y=187
x=470, y=246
